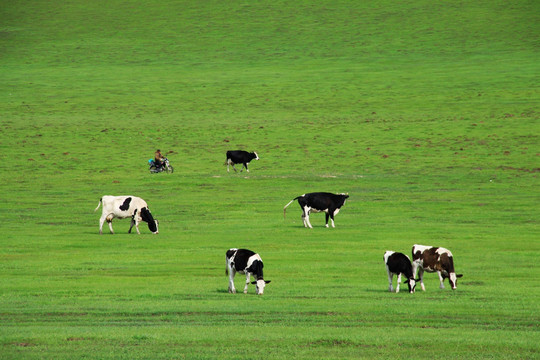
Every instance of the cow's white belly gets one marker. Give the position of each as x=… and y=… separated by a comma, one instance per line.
x=119, y=215
x=310, y=209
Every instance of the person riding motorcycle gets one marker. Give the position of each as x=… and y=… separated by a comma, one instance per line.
x=159, y=164
x=158, y=158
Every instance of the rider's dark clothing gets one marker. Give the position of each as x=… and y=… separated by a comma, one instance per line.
x=158, y=158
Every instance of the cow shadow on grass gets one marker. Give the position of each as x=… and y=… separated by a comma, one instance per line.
x=437, y=291
x=238, y=292
x=377, y=291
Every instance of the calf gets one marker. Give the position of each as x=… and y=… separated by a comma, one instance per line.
x=122, y=207
x=398, y=263
x=240, y=157
x=434, y=259
x=319, y=202
x=245, y=262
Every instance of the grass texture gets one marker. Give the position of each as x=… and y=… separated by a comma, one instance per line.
x=426, y=113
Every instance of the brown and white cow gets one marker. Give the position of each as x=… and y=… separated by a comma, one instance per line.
x=434, y=259
x=123, y=207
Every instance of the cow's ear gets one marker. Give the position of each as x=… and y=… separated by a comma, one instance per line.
x=267, y=281
x=459, y=275
x=254, y=282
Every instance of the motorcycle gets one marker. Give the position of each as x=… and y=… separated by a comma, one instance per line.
x=164, y=167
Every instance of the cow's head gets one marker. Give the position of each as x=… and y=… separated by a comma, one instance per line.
x=453, y=279
x=153, y=224
x=344, y=197
x=412, y=284
x=256, y=156
x=259, y=285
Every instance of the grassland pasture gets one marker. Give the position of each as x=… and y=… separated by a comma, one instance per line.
x=426, y=114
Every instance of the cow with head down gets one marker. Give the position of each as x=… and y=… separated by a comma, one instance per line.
x=434, y=259
x=122, y=207
x=399, y=264
x=246, y=262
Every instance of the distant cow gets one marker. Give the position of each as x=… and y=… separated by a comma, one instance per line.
x=434, y=259
x=398, y=263
x=319, y=202
x=240, y=157
x=245, y=262
x=122, y=207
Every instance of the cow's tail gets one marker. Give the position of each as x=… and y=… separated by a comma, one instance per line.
x=98, y=205
x=290, y=202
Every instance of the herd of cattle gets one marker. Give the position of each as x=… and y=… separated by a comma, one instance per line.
x=243, y=261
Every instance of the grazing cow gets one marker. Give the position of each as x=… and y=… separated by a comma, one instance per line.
x=434, y=259
x=240, y=157
x=245, y=262
x=317, y=202
x=122, y=207
x=398, y=263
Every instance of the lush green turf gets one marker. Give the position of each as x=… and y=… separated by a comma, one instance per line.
x=425, y=113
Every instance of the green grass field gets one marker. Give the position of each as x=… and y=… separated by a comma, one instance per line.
x=426, y=113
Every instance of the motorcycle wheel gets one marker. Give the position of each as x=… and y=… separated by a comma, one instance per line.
x=170, y=169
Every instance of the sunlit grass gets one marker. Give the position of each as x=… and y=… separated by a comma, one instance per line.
x=424, y=113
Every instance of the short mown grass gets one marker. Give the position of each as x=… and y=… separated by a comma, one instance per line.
x=426, y=114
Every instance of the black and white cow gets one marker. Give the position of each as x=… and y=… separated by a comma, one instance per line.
x=122, y=207
x=319, y=202
x=246, y=262
x=398, y=263
x=240, y=157
x=434, y=259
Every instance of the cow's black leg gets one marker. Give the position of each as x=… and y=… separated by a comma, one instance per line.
x=327, y=216
x=131, y=226
x=246, y=166
x=331, y=212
